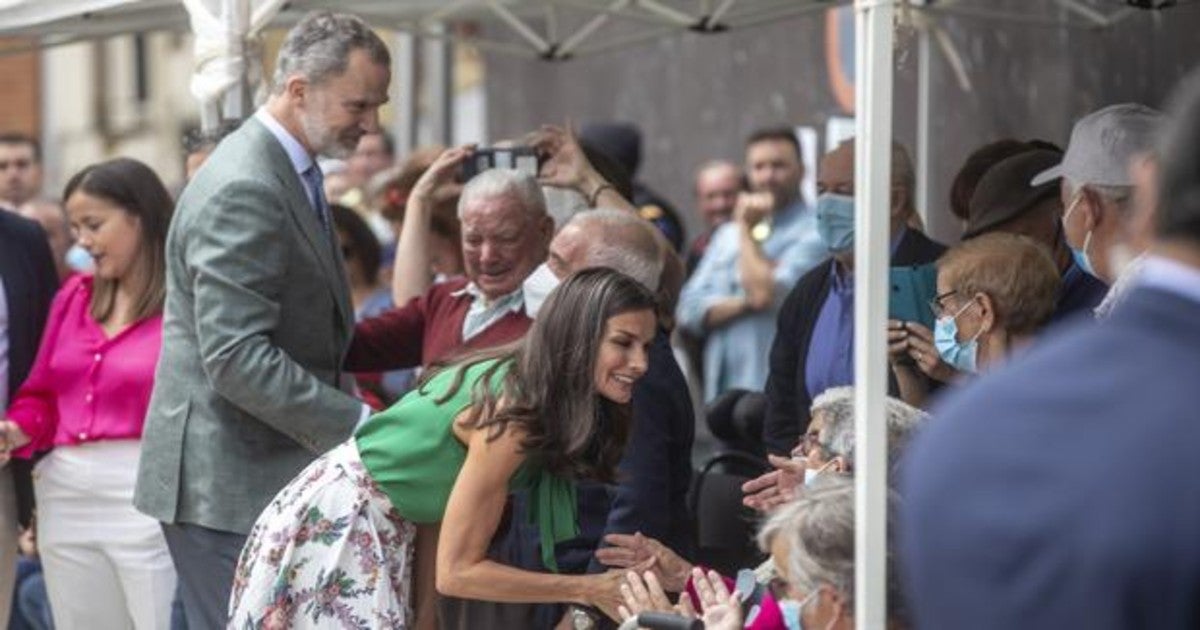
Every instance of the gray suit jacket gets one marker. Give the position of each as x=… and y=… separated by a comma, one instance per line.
x=249, y=387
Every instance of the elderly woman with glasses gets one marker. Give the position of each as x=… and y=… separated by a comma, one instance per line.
x=994, y=293
x=827, y=452
x=811, y=542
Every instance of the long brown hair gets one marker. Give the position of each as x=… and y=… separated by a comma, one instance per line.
x=134, y=188
x=550, y=390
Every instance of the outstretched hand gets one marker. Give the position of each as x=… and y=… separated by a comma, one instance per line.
x=722, y=608
x=632, y=550
x=777, y=487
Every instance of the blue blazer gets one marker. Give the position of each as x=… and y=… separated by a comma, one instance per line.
x=1063, y=490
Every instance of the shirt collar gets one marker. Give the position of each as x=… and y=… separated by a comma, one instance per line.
x=843, y=279
x=511, y=301
x=300, y=158
x=1170, y=275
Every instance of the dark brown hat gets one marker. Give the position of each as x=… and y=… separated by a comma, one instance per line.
x=1004, y=192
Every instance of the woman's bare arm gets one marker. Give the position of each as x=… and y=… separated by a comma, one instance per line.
x=472, y=516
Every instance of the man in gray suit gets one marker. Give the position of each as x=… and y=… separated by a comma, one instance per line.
x=257, y=320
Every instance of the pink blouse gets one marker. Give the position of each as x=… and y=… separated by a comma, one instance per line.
x=85, y=386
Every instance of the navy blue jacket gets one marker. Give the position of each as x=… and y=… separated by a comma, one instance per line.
x=27, y=269
x=788, y=398
x=1062, y=490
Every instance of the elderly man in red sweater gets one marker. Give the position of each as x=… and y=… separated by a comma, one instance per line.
x=505, y=233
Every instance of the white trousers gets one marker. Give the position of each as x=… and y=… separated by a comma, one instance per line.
x=106, y=565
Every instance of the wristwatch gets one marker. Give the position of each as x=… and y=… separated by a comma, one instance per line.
x=582, y=618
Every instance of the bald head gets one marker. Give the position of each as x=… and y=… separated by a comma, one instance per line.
x=717, y=186
x=608, y=238
x=836, y=175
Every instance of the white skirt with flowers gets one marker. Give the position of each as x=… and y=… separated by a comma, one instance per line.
x=328, y=552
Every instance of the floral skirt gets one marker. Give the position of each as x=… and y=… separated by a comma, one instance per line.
x=328, y=552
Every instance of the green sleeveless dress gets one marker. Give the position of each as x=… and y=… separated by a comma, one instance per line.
x=411, y=452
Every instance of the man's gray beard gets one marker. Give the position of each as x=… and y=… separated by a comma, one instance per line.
x=322, y=142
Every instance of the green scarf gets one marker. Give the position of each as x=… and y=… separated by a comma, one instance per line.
x=553, y=511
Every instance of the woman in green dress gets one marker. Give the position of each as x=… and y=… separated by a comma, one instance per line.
x=350, y=542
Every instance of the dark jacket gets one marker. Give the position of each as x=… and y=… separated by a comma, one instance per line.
x=1062, y=490
x=27, y=269
x=788, y=398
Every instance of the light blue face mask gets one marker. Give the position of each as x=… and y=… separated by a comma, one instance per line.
x=78, y=259
x=835, y=221
x=960, y=355
x=1080, y=256
x=790, y=609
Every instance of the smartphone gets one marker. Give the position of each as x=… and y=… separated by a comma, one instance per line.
x=912, y=288
x=524, y=159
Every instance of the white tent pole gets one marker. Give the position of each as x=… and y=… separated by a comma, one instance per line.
x=872, y=161
x=436, y=64
x=924, y=99
x=404, y=92
x=236, y=17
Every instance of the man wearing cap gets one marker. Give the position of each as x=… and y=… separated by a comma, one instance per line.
x=1097, y=191
x=1061, y=491
x=1005, y=201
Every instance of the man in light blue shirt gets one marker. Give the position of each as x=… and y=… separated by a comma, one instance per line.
x=752, y=262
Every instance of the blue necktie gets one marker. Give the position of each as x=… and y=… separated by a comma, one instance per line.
x=316, y=186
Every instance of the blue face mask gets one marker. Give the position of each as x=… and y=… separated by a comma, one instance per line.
x=961, y=356
x=835, y=221
x=78, y=259
x=1080, y=256
x=790, y=609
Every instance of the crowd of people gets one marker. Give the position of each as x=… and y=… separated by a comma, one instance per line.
x=328, y=386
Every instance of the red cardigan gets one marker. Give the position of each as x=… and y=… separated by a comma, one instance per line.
x=426, y=330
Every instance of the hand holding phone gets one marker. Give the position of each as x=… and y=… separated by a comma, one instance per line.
x=524, y=159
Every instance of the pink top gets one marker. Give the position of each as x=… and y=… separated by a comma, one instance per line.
x=85, y=386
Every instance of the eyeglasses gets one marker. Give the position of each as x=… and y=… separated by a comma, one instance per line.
x=936, y=305
x=809, y=441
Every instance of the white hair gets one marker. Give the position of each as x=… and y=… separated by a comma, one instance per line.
x=620, y=241
x=319, y=47
x=819, y=529
x=1119, y=196
x=504, y=182
x=836, y=405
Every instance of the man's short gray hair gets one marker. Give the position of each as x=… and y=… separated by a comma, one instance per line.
x=319, y=47
x=623, y=242
x=836, y=405
x=1121, y=197
x=819, y=529
x=504, y=182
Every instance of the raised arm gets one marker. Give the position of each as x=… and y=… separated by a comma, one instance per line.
x=566, y=166
x=756, y=271
x=410, y=273
x=472, y=516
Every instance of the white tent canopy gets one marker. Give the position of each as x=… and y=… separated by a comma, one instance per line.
x=557, y=29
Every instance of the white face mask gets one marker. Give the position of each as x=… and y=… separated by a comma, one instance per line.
x=1119, y=257
x=537, y=288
